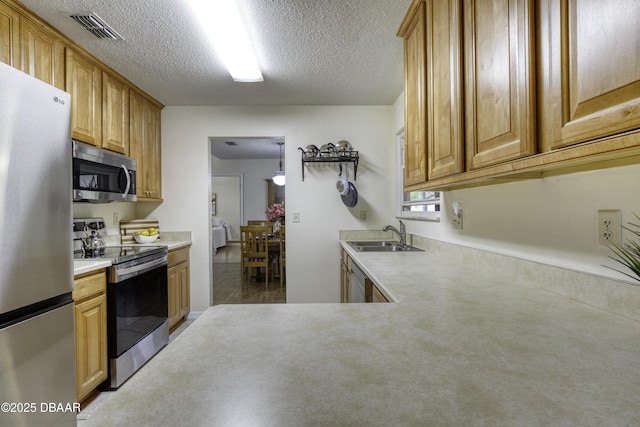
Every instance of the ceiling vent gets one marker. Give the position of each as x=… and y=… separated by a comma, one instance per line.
x=96, y=26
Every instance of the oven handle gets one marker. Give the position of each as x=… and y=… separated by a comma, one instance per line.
x=126, y=173
x=123, y=273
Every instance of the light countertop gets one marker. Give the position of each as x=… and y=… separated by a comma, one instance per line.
x=461, y=346
x=81, y=266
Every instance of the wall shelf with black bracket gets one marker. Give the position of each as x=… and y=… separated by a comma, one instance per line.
x=330, y=156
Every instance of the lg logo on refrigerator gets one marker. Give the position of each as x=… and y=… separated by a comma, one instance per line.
x=58, y=100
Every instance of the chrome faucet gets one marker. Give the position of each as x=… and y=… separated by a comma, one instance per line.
x=402, y=234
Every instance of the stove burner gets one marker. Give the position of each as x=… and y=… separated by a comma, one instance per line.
x=92, y=253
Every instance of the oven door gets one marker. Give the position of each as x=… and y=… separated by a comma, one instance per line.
x=136, y=307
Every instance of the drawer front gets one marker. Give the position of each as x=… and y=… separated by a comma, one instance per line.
x=178, y=256
x=85, y=286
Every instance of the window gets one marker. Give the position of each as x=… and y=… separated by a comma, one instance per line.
x=423, y=205
x=421, y=201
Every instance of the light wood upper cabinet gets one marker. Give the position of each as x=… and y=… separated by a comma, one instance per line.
x=9, y=36
x=83, y=82
x=549, y=87
x=445, y=125
x=413, y=31
x=42, y=54
x=499, y=81
x=115, y=114
x=590, y=70
x=145, y=146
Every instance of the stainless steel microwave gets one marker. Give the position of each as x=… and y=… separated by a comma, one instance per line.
x=102, y=176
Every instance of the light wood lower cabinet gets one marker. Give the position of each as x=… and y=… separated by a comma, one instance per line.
x=178, y=283
x=90, y=297
x=345, y=276
x=376, y=295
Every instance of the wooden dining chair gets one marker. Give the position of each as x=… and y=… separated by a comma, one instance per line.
x=283, y=258
x=254, y=250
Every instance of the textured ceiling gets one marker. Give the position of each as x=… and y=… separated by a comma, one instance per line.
x=311, y=52
x=246, y=147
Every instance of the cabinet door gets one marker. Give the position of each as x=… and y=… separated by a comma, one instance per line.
x=415, y=142
x=9, y=36
x=173, y=284
x=499, y=81
x=91, y=344
x=590, y=72
x=145, y=146
x=344, y=280
x=445, y=128
x=376, y=295
x=42, y=54
x=115, y=114
x=185, y=292
x=83, y=83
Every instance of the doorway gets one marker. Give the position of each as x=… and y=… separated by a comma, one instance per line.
x=241, y=189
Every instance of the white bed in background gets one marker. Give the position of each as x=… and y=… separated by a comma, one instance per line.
x=220, y=233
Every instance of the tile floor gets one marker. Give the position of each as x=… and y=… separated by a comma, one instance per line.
x=227, y=285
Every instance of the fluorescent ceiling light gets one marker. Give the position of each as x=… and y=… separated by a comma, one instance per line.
x=221, y=20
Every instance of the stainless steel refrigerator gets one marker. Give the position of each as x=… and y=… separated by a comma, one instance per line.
x=37, y=344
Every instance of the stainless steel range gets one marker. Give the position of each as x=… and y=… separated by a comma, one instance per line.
x=137, y=302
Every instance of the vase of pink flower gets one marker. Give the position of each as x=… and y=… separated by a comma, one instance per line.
x=275, y=212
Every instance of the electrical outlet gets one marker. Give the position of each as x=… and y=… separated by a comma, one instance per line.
x=363, y=215
x=116, y=218
x=609, y=229
x=457, y=220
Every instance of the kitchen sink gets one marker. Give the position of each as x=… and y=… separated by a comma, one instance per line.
x=382, y=246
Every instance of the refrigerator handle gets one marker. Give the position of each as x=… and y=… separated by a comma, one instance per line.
x=126, y=173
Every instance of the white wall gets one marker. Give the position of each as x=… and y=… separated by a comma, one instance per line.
x=227, y=189
x=124, y=210
x=313, y=254
x=551, y=220
x=255, y=172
